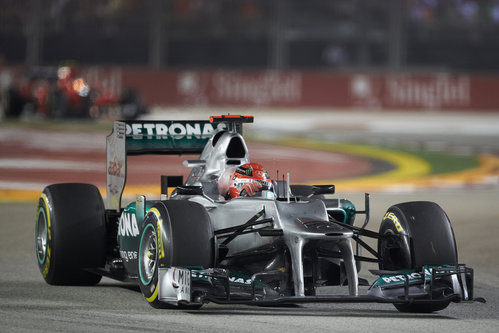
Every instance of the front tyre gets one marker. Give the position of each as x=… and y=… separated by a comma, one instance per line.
x=148, y=260
x=175, y=233
x=423, y=236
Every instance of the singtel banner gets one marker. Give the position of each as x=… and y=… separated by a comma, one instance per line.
x=391, y=91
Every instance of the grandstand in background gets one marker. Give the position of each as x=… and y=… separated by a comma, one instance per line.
x=394, y=35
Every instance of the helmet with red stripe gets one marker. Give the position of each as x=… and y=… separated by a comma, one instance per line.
x=251, y=179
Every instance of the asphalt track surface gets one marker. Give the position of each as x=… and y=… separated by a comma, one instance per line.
x=27, y=303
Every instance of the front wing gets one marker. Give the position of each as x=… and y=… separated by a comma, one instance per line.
x=197, y=286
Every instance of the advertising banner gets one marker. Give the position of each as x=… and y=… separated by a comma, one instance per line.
x=440, y=91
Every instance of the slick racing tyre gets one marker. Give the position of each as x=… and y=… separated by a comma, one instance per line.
x=175, y=233
x=70, y=234
x=426, y=238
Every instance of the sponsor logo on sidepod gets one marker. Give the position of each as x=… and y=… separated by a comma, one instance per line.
x=128, y=225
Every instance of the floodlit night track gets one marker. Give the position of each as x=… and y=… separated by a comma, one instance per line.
x=112, y=306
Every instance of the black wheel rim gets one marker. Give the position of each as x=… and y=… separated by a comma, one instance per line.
x=41, y=236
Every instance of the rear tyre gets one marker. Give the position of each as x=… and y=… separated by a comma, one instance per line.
x=427, y=239
x=70, y=234
x=174, y=233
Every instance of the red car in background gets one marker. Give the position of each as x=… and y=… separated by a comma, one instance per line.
x=62, y=92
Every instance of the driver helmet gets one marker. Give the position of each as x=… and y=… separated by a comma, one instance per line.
x=251, y=180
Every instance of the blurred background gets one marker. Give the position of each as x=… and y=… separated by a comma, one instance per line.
x=254, y=34
x=417, y=76
x=377, y=54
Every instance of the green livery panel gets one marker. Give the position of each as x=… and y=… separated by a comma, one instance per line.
x=129, y=229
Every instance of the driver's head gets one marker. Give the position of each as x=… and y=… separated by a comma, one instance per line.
x=250, y=179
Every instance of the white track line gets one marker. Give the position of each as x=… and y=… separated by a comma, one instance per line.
x=13, y=185
x=43, y=164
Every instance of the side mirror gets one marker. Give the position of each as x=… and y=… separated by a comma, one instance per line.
x=323, y=189
x=189, y=190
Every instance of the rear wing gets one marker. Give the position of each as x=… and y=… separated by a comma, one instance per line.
x=167, y=137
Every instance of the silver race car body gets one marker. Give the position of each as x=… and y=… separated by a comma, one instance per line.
x=195, y=245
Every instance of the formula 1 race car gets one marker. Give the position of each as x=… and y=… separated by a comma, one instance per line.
x=193, y=246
